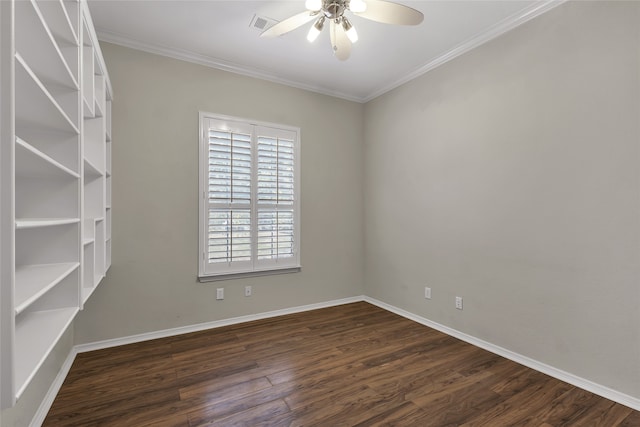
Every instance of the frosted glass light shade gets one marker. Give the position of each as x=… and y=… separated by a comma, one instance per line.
x=313, y=4
x=313, y=34
x=357, y=6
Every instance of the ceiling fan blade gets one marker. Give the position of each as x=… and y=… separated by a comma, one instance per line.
x=340, y=43
x=290, y=24
x=391, y=13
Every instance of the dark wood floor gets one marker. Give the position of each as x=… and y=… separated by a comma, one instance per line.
x=350, y=365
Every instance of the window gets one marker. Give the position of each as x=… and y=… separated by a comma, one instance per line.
x=249, y=204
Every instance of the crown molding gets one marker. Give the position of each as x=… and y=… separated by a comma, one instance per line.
x=220, y=64
x=491, y=33
x=506, y=25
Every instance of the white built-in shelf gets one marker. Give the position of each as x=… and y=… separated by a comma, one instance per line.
x=97, y=278
x=73, y=12
x=55, y=235
x=100, y=99
x=35, y=107
x=32, y=162
x=63, y=147
x=43, y=222
x=88, y=112
x=37, y=46
x=91, y=170
x=98, y=109
x=86, y=292
x=88, y=72
x=36, y=334
x=58, y=20
x=108, y=119
x=33, y=281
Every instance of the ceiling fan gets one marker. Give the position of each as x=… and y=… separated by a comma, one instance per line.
x=341, y=31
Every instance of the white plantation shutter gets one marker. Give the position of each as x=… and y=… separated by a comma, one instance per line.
x=276, y=239
x=249, y=208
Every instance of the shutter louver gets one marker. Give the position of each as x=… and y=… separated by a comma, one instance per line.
x=229, y=167
x=275, y=170
x=275, y=234
x=229, y=236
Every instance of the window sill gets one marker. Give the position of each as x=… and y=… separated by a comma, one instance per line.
x=231, y=276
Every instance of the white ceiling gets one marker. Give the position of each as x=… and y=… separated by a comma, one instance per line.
x=218, y=33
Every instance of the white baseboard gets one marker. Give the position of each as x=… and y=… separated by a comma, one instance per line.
x=582, y=383
x=600, y=390
x=210, y=325
x=46, y=403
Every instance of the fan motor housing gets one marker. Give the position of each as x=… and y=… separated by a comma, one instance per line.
x=334, y=9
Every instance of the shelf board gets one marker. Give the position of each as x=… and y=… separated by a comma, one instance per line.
x=87, y=242
x=32, y=162
x=43, y=222
x=38, y=47
x=35, y=107
x=99, y=219
x=33, y=281
x=97, y=278
x=86, y=292
x=98, y=109
x=91, y=170
x=36, y=334
x=88, y=112
x=57, y=18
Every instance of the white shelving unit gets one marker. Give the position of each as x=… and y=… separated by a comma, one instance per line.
x=55, y=179
x=96, y=155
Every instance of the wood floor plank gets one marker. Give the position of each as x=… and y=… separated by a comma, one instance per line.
x=633, y=420
x=407, y=413
x=516, y=390
x=261, y=415
x=354, y=364
x=215, y=395
x=565, y=409
x=202, y=411
x=603, y=413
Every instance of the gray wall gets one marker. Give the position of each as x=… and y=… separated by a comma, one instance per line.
x=510, y=177
x=152, y=283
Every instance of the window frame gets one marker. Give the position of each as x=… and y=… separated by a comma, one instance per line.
x=255, y=267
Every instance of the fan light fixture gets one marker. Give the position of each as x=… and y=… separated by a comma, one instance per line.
x=357, y=6
x=349, y=29
x=341, y=31
x=315, y=30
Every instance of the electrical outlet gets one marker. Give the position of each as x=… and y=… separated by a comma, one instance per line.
x=220, y=293
x=427, y=292
x=459, y=303
x=248, y=291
